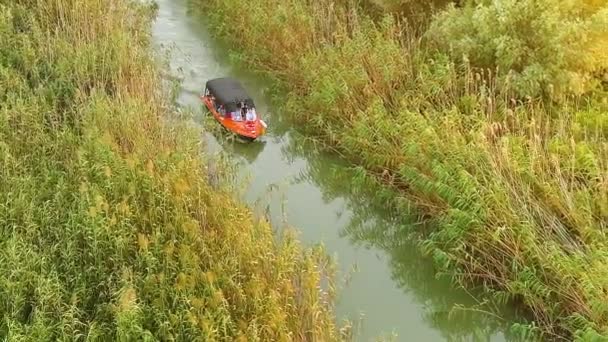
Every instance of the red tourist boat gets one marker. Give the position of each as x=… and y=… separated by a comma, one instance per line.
x=233, y=108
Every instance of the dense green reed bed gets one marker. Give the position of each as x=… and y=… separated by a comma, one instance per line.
x=494, y=121
x=109, y=229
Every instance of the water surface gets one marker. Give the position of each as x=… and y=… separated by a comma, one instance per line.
x=394, y=289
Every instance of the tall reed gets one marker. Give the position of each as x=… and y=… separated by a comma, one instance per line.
x=109, y=227
x=517, y=189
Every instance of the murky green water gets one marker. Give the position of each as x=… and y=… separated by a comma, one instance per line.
x=393, y=289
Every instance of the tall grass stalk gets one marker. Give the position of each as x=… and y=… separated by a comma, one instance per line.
x=109, y=226
x=517, y=188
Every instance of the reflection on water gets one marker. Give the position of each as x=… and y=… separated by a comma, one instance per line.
x=230, y=143
x=373, y=226
x=394, y=287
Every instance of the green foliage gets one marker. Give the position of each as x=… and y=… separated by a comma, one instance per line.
x=417, y=12
x=109, y=229
x=546, y=47
x=517, y=189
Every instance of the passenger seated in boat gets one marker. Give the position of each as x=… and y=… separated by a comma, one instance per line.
x=236, y=115
x=241, y=112
x=250, y=116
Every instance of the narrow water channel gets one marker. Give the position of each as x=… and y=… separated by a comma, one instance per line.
x=393, y=290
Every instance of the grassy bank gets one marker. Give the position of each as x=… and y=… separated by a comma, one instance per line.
x=109, y=227
x=504, y=150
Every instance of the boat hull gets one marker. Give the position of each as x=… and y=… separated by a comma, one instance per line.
x=248, y=130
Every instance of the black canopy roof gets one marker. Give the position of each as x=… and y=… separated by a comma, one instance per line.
x=229, y=92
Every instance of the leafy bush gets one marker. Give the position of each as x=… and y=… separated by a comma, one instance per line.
x=547, y=47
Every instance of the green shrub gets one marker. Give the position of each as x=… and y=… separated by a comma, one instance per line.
x=546, y=47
